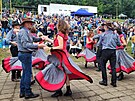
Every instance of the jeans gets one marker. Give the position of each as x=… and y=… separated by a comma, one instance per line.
x=26, y=59
x=4, y=43
x=4, y=30
x=84, y=39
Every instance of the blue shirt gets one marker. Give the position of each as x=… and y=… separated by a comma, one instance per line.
x=108, y=40
x=11, y=36
x=25, y=41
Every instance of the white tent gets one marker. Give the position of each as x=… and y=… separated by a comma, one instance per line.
x=122, y=15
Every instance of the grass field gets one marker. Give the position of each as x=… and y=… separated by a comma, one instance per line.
x=119, y=20
x=5, y=53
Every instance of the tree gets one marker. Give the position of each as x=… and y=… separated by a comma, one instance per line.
x=104, y=6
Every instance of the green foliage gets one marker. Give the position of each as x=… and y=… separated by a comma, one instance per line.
x=4, y=53
x=104, y=6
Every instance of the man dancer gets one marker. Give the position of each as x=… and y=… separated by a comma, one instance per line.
x=26, y=47
x=109, y=40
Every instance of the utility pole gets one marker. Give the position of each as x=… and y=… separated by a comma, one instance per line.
x=121, y=6
x=0, y=9
x=10, y=2
x=116, y=9
x=98, y=7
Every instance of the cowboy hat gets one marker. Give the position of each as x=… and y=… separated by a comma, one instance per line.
x=109, y=25
x=24, y=20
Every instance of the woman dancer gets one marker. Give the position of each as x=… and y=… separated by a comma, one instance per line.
x=61, y=68
x=124, y=63
x=88, y=52
x=11, y=39
x=40, y=53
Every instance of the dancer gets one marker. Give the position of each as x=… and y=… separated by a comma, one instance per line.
x=99, y=50
x=40, y=54
x=11, y=38
x=61, y=68
x=88, y=52
x=26, y=47
x=39, y=59
x=124, y=62
x=109, y=41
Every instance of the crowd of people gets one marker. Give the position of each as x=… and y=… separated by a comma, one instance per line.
x=95, y=39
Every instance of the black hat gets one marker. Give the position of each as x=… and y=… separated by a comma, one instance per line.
x=15, y=23
x=119, y=31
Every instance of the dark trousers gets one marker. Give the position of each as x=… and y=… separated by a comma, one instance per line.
x=68, y=48
x=98, y=56
x=78, y=50
x=108, y=54
x=14, y=51
x=73, y=50
x=16, y=74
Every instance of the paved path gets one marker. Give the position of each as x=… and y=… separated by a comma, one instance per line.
x=82, y=90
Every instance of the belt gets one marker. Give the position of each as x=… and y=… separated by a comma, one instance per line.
x=24, y=52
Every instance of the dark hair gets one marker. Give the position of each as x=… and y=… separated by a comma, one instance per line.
x=101, y=29
x=33, y=29
x=15, y=23
x=119, y=31
x=90, y=32
x=63, y=26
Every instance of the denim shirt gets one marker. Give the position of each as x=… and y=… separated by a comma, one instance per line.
x=108, y=40
x=25, y=41
x=11, y=36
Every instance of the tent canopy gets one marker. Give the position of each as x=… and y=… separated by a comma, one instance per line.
x=122, y=15
x=81, y=12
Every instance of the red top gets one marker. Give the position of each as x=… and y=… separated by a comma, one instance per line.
x=51, y=25
x=41, y=42
x=120, y=47
x=90, y=45
x=65, y=38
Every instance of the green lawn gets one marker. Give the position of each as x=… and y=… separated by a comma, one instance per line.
x=129, y=49
x=119, y=20
x=5, y=53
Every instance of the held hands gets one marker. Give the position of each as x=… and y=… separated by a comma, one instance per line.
x=44, y=37
x=47, y=48
x=41, y=45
